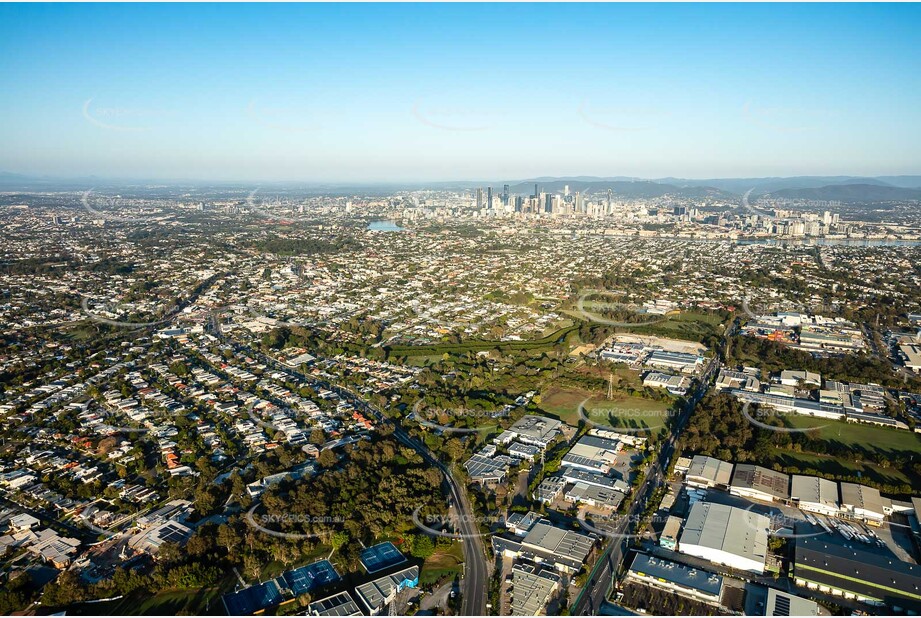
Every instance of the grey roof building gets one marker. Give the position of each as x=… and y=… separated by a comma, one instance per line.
x=341, y=604
x=726, y=535
x=536, y=430
x=668, y=575
x=532, y=587
x=709, y=472
x=780, y=603
x=751, y=481
x=814, y=494
x=853, y=572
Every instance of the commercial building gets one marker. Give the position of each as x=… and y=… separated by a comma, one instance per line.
x=676, y=385
x=751, y=481
x=341, y=604
x=376, y=594
x=791, y=377
x=152, y=538
x=780, y=603
x=784, y=403
x=578, y=475
x=675, y=577
x=549, y=489
x=537, y=430
x=707, y=471
x=593, y=454
x=862, y=502
x=670, y=533
x=485, y=467
x=523, y=451
x=532, y=587
x=679, y=361
x=728, y=380
x=911, y=353
x=593, y=495
x=815, y=494
x=563, y=550
x=855, y=573
x=726, y=535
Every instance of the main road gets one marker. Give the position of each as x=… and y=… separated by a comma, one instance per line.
x=474, y=585
x=599, y=582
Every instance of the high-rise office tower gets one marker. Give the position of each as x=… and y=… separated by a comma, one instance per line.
x=548, y=202
x=489, y=198
x=505, y=195
x=580, y=204
x=536, y=190
x=565, y=190
x=479, y=199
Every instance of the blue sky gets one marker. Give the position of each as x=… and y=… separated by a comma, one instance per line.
x=375, y=92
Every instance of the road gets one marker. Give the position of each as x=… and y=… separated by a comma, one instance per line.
x=595, y=592
x=474, y=585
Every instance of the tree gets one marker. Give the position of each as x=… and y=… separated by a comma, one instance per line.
x=423, y=547
x=327, y=458
x=454, y=449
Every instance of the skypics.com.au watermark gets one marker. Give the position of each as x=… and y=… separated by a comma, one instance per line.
x=113, y=208
x=780, y=525
x=100, y=314
x=450, y=526
x=624, y=420
x=592, y=310
x=615, y=526
x=261, y=522
x=441, y=418
x=763, y=412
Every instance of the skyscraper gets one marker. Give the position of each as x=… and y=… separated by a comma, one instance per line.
x=548, y=202
x=505, y=195
x=536, y=190
x=489, y=198
x=479, y=198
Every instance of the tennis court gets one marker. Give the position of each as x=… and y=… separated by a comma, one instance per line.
x=250, y=600
x=306, y=578
x=381, y=556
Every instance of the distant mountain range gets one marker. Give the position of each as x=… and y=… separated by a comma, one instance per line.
x=622, y=188
x=841, y=188
x=861, y=192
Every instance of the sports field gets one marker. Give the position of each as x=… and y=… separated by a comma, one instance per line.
x=838, y=466
x=869, y=438
x=623, y=411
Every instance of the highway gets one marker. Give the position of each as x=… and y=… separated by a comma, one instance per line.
x=475, y=582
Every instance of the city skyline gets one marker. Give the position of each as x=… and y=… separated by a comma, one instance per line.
x=426, y=93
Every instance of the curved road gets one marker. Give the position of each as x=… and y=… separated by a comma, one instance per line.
x=476, y=569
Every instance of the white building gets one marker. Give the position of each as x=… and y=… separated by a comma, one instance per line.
x=708, y=472
x=726, y=535
x=862, y=502
x=815, y=494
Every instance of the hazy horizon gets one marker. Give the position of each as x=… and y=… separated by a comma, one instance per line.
x=423, y=93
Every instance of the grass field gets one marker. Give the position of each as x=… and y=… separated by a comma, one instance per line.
x=622, y=411
x=443, y=563
x=869, y=438
x=840, y=467
x=199, y=601
x=689, y=325
x=476, y=346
